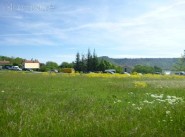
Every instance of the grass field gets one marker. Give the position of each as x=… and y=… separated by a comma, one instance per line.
x=90, y=105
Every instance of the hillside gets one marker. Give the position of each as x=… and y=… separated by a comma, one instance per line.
x=164, y=63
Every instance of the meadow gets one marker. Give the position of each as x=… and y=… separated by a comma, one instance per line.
x=91, y=105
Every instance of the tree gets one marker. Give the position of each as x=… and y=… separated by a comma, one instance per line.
x=92, y=63
x=66, y=65
x=95, y=61
x=180, y=65
x=119, y=69
x=103, y=65
x=143, y=69
x=89, y=61
x=157, y=69
x=77, y=62
x=51, y=65
x=17, y=62
x=42, y=67
x=83, y=63
x=13, y=61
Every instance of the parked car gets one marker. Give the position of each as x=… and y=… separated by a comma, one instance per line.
x=111, y=71
x=7, y=67
x=16, y=68
x=54, y=70
x=27, y=69
x=180, y=73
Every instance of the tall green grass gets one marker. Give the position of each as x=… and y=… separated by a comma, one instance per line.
x=61, y=105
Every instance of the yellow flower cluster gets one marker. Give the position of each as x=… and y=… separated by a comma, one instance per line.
x=107, y=75
x=140, y=84
x=134, y=76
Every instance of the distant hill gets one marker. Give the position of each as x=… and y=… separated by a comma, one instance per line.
x=164, y=63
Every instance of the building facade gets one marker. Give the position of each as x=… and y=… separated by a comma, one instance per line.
x=31, y=64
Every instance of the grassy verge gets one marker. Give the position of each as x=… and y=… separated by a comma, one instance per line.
x=67, y=105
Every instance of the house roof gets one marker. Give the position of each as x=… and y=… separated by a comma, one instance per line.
x=31, y=61
x=4, y=62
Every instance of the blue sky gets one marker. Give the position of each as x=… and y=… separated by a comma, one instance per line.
x=55, y=30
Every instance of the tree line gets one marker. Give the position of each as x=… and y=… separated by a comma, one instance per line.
x=14, y=61
x=91, y=63
x=83, y=63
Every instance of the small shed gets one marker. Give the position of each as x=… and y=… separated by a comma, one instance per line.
x=127, y=69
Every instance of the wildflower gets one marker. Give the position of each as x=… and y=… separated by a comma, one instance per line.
x=156, y=96
x=139, y=84
x=168, y=112
x=139, y=108
x=146, y=101
x=171, y=101
x=160, y=100
x=118, y=101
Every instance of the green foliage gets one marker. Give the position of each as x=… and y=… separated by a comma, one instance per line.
x=13, y=61
x=66, y=65
x=180, y=65
x=43, y=67
x=143, y=69
x=83, y=64
x=102, y=66
x=93, y=63
x=119, y=69
x=157, y=69
x=89, y=61
x=51, y=65
x=164, y=63
x=77, y=62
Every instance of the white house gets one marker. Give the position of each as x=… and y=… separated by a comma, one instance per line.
x=31, y=64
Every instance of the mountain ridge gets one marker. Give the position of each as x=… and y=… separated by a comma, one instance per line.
x=164, y=63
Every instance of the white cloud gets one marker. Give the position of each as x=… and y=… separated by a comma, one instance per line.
x=25, y=41
x=160, y=29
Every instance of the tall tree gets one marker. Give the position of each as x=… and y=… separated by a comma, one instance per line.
x=83, y=63
x=77, y=62
x=92, y=63
x=102, y=65
x=89, y=61
x=95, y=61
